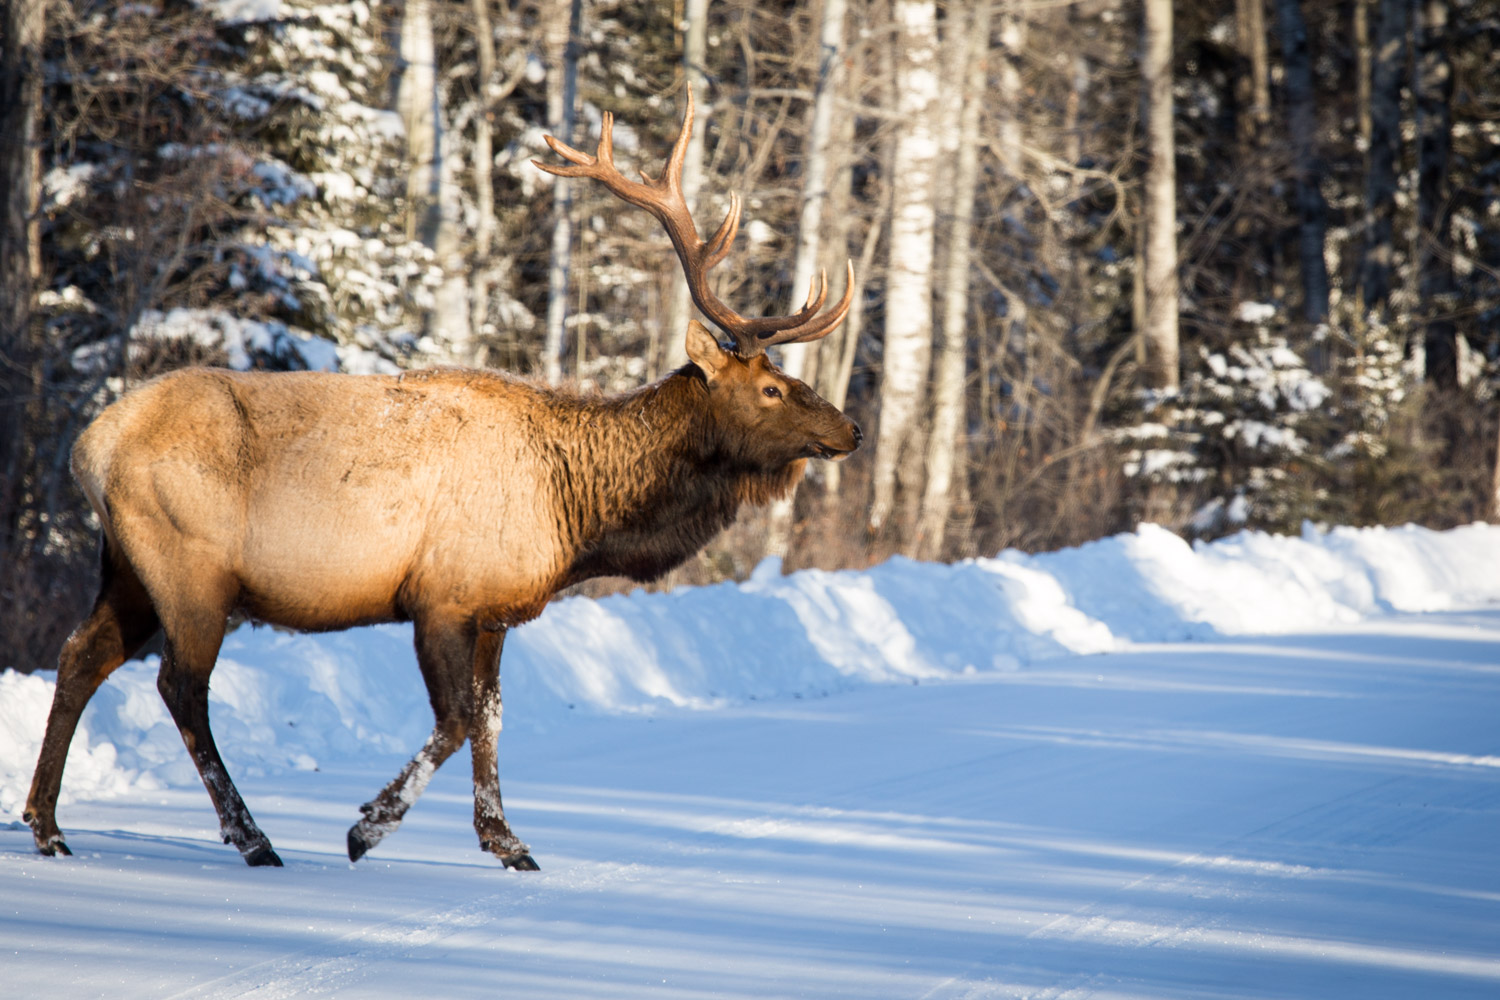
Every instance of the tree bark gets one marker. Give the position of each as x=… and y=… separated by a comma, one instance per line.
x=417, y=101
x=908, y=305
x=484, y=184
x=1012, y=44
x=21, y=37
x=1254, y=89
x=1160, y=281
x=1312, y=210
x=947, y=450
x=1387, y=70
x=561, y=29
x=1434, y=91
x=432, y=195
x=694, y=56
x=799, y=360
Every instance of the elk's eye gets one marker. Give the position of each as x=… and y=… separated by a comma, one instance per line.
x=772, y=391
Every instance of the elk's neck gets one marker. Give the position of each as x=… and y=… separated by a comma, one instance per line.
x=648, y=479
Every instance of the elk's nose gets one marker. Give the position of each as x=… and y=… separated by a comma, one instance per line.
x=859, y=435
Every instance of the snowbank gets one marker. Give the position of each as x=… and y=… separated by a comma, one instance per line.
x=284, y=701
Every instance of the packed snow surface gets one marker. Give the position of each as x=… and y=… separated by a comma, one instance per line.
x=1266, y=766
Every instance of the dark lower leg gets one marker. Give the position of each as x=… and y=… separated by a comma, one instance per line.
x=384, y=813
x=121, y=622
x=495, y=834
x=185, y=691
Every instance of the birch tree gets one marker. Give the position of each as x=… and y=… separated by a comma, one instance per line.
x=1159, y=274
x=694, y=54
x=947, y=450
x=492, y=89
x=798, y=360
x=432, y=190
x=1255, y=87
x=561, y=32
x=908, y=304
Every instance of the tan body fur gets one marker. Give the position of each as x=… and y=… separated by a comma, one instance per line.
x=460, y=500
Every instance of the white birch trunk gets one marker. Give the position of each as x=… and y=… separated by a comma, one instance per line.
x=694, y=53
x=946, y=445
x=451, y=324
x=484, y=190
x=1012, y=41
x=562, y=87
x=432, y=193
x=908, y=319
x=798, y=360
x=415, y=100
x=1160, y=216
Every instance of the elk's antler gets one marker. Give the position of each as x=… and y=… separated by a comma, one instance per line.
x=663, y=198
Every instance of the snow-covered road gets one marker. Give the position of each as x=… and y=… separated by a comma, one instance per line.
x=1311, y=816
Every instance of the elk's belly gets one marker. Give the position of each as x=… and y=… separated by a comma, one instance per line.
x=315, y=570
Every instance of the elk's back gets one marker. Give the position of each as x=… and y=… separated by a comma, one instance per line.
x=325, y=500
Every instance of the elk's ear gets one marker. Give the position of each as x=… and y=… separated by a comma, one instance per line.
x=704, y=350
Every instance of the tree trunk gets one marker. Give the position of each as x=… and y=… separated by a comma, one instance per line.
x=1387, y=70
x=561, y=35
x=947, y=449
x=1307, y=166
x=1363, y=59
x=799, y=360
x=1434, y=91
x=1012, y=44
x=417, y=101
x=431, y=194
x=694, y=55
x=484, y=185
x=1254, y=89
x=840, y=348
x=23, y=532
x=21, y=36
x=1160, y=281
x=908, y=305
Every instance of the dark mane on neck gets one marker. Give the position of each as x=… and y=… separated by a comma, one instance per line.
x=644, y=481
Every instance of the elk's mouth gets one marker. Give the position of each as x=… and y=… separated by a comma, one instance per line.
x=820, y=449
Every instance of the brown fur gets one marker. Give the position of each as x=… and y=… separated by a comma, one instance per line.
x=460, y=500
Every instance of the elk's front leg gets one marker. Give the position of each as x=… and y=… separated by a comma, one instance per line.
x=445, y=653
x=495, y=834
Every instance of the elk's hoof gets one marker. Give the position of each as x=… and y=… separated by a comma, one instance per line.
x=358, y=846
x=263, y=857
x=521, y=863
x=52, y=846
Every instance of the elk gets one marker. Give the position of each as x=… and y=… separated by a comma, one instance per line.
x=459, y=500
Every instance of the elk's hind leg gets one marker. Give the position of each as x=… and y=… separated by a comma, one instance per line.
x=445, y=651
x=195, y=630
x=494, y=832
x=119, y=624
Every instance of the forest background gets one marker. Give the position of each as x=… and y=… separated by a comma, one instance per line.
x=1211, y=265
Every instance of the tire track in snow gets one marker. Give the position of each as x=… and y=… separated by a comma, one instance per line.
x=335, y=967
x=1115, y=919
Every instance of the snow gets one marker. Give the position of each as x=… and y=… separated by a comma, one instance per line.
x=1262, y=766
x=244, y=11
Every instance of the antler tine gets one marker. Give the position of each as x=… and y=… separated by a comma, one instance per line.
x=819, y=326
x=721, y=241
x=663, y=197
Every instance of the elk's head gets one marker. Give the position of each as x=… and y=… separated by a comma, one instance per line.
x=767, y=418
x=776, y=419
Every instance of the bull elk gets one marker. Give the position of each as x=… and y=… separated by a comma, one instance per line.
x=458, y=500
